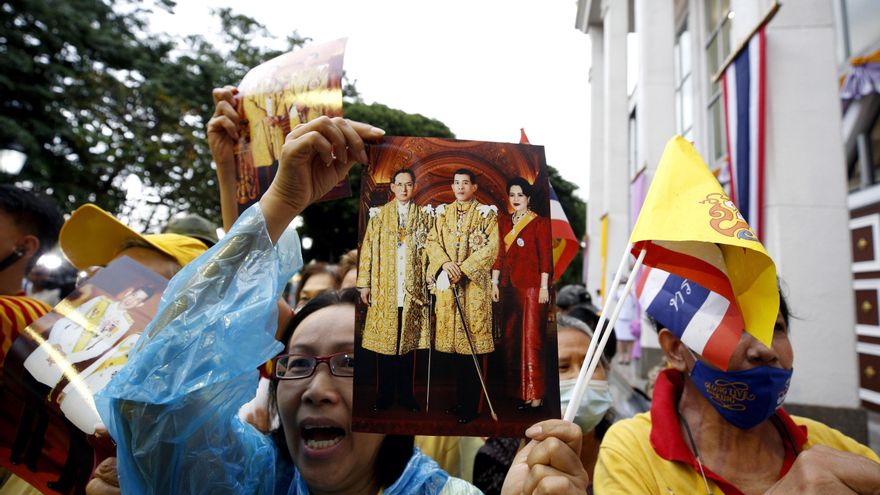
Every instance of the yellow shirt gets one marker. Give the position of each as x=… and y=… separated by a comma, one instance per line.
x=454, y=454
x=629, y=461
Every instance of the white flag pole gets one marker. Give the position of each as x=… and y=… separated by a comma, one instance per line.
x=594, y=342
x=594, y=352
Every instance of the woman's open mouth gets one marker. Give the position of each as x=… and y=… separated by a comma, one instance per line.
x=319, y=437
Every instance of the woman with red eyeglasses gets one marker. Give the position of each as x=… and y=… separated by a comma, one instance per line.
x=172, y=409
x=311, y=391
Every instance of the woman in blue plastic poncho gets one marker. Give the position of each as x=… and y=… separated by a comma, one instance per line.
x=172, y=410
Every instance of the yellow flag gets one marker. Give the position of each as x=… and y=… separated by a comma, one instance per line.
x=690, y=227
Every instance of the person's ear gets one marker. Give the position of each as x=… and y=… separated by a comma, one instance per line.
x=29, y=245
x=674, y=349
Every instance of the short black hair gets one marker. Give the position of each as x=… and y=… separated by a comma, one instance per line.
x=323, y=300
x=34, y=213
x=146, y=289
x=396, y=450
x=403, y=171
x=523, y=184
x=783, y=306
x=468, y=172
x=312, y=269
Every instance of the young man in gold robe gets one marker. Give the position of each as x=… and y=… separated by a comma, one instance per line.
x=463, y=246
x=391, y=280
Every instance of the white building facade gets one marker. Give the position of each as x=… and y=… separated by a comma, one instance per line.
x=669, y=51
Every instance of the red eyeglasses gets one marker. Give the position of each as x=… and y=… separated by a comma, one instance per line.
x=297, y=366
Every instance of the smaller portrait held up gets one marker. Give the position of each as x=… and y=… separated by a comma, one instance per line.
x=62, y=360
x=85, y=332
x=271, y=100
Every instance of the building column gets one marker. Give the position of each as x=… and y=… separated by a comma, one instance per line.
x=596, y=205
x=615, y=183
x=655, y=25
x=655, y=113
x=805, y=198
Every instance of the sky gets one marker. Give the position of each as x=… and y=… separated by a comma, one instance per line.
x=485, y=68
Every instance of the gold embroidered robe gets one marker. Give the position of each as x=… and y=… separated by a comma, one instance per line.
x=377, y=270
x=472, y=243
x=267, y=138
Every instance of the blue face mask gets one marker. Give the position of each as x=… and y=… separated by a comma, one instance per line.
x=594, y=404
x=745, y=398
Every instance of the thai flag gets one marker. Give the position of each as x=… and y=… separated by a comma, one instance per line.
x=565, y=243
x=705, y=321
x=743, y=84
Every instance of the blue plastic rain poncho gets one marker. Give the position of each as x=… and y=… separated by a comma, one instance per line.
x=173, y=408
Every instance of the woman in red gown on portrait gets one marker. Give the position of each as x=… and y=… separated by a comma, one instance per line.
x=520, y=278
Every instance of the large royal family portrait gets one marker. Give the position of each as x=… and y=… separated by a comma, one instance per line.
x=454, y=332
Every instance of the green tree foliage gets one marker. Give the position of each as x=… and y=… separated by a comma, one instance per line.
x=92, y=99
x=576, y=211
x=69, y=73
x=397, y=122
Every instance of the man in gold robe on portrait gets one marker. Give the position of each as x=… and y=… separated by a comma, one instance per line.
x=463, y=246
x=391, y=281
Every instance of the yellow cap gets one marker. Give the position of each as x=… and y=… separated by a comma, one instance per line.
x=92, y=237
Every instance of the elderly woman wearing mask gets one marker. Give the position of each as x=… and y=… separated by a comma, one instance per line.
x=594, y=414
x=691, y=443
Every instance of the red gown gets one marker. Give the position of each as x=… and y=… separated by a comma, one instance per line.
x=522, y=317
